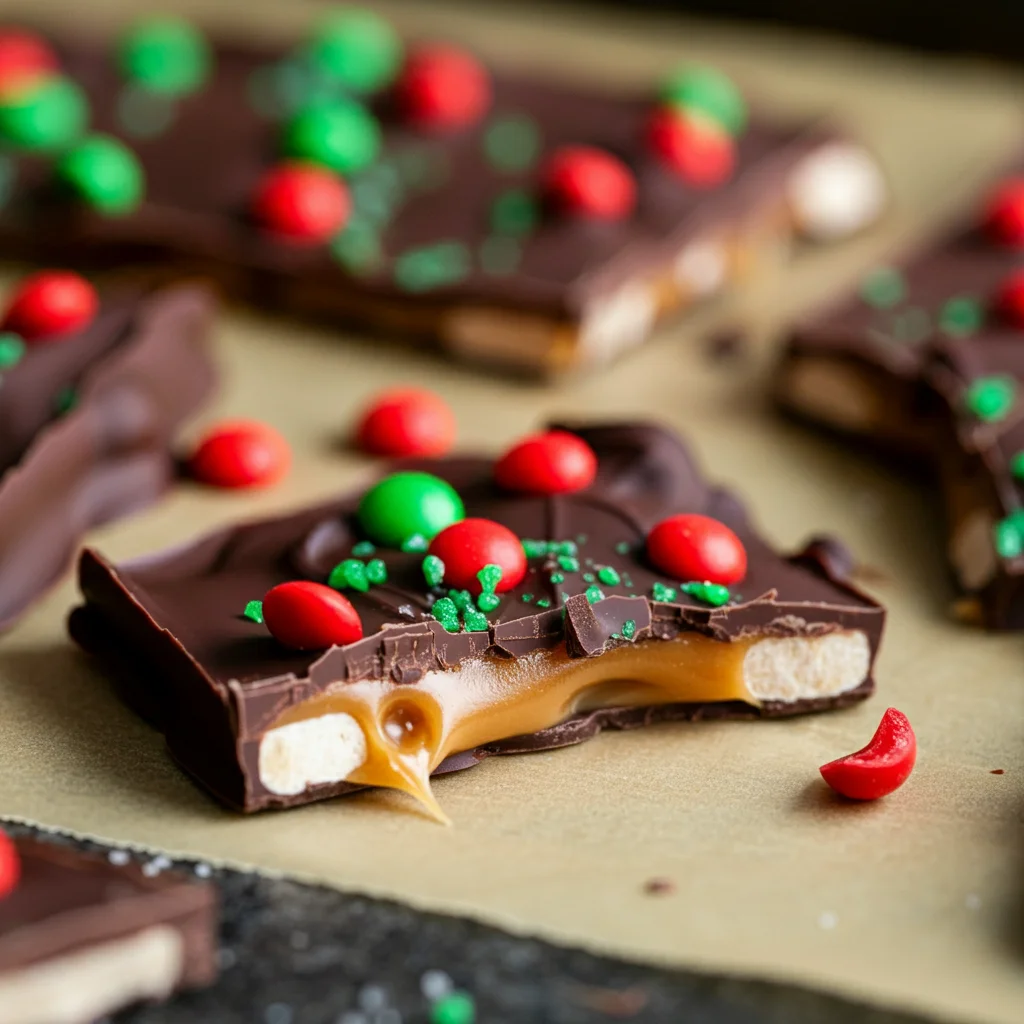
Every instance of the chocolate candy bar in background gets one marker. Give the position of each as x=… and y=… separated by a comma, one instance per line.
x=87, y=419
x=925, y=360
x=81, y=937
x=506, y=218
x=574, y=620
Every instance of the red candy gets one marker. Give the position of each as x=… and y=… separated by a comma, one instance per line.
x=1004, y=215
x=407, y=421
x=25, y=61
x=695, y=148
x=50, y=304
x=10, y=866
x=241, y=453
x=310, y=616
x=695, y=548
x=443, y=88
x=303, y=202
x=555, y=462
x=880, y=767
x=1009, y=299
x=590, y=182
x=467, y=546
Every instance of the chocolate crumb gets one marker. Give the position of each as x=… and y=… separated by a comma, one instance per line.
x=998, y=771
x=659, y=886
x=725, y=345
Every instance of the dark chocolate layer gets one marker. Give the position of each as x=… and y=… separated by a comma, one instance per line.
x=216, y=681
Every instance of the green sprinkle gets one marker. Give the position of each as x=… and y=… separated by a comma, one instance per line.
x=376, y=571
x=557, y=577
x=104, y=173
x=489, y=577
x=343, y=136
x=488, y=601
x=588, y=577
x=512, y=143
x=432, y=266
x=415, y=542
x=883, y=288
x=166, y=55
x=65, y=401
x=475, y=621
x=357, y=48
x=1009, y=535
x=990, y=399
x=433, y=570
x=363, y=549
x=447, y=614
x=358, y=248
x=535, y=548
x=607, y=575
x=568, y=563
x=629, y=629
x=594, y=594
x=500, y=255
x=526, y=598
x=44, y=119
x=961, y=315
x=514, y=213
x=713, y=594
x=254, y=611
x=456, y=1008
x=12, y=348
x=661, y=592
x=707, y=91
x=462, y=599
x=564, y=547
x=622, y=548
x=349, y=573
x=543, y=602
x=1017, y=466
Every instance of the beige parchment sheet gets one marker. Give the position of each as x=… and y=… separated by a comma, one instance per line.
x=914, y=901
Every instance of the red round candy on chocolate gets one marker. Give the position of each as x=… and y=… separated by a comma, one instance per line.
x=51, y=304
x=301, y=202
x=1009, y=299
x=240, y=453
x=696, y=548
x=407, y=422
x=467, y=546
x=1004, y=214
x=310, y=616
x=880, y=767
x=589, y=182
x=10, y=866
x=693, y=147
x=25, y=61
x=442, y=87
x=555, y=462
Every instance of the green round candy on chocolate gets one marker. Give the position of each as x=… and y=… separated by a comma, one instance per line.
x=49, y=117
x=409, y=503
x=103, y=173
x=358, y=49
x=343, y=136
x=990, y=399
x=706, y=91
x=166, y=55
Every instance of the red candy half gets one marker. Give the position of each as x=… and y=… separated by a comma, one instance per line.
x=51, y=304
x=695, y=148
x=1009, y=300
x=696, y=548
x=443, y=88
x=10, y=866
x=555, y=462
x=310, y=616
x=589, y=182
x=241, y=453
x=1004, y=215
x=25, y=61
x=405, y=422
x=467, y=546
x=880, y=767
x=302, y=202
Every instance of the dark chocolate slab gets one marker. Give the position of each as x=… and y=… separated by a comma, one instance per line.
x=215, y=681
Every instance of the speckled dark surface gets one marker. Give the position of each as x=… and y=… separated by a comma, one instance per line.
x=302, y=954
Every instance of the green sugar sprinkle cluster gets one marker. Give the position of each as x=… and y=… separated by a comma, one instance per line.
x=363, y=549
x=961, y=315
x=627, y=632
x=12, y=349
x=609, y=576
x=433, y=570
x=569, y=563
x=454, y=1008
x=991, y=398
x=415, y=542
x=544, y=548
x=489, y=577
x=254, y=611
x=356, y=575
x=594, y=594
x=448, y=609
x=661, y=592
x=1009, y=535
x=713, y=594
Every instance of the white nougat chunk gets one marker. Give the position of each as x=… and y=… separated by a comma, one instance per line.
x=805, y=667
x=836, y=192
x=310, y=753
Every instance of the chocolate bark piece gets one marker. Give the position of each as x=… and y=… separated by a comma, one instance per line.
x=81, y=937
x=448, y=242
x=86, y=425
x=589, y=613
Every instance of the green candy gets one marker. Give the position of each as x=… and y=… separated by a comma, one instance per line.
x=594, y=594
x=343, y=136
x=1008, y=535
x=609, y=576
x=990, y=399
x=254, y=611
x=104, y=173
x=358, y=49
x=46, y=118
x=714, y=594
x=488, y=601
x=455, y=1008
x=12, y=348
x=433, y=570
x=629, y=629
x=349, y=573
x=661, y=592
x=706, y=91
x=166, y=55
x=376, y=571
x=475, y=621
x=407, y=504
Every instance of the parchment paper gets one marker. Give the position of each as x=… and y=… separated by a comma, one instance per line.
x=913, y=901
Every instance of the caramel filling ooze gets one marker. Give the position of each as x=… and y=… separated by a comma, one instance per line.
x=377, y=733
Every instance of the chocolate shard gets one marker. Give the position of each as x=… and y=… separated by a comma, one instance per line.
x=586, y=641
x=135, y=373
